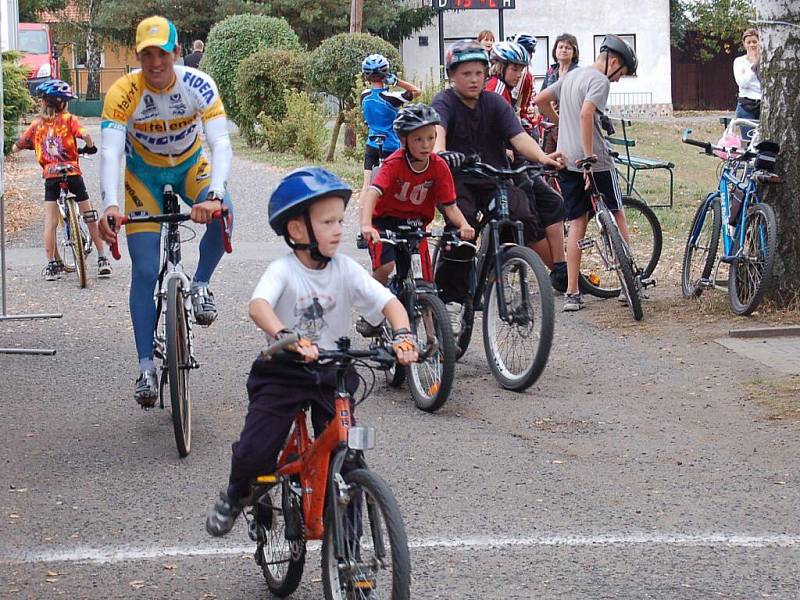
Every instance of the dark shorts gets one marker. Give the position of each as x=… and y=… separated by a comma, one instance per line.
x=372, y=157
x=577, y=200
x=75, y=184
x=547, y=202
x=382, y=253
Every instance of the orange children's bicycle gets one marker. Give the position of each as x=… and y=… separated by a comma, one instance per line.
x=323, y=489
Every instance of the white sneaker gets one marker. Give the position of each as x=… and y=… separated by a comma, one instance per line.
x=456, y=312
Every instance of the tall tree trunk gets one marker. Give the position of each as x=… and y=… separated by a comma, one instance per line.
x=93, y=50
x=780, y=122
x=335, y=136
x=356, y=25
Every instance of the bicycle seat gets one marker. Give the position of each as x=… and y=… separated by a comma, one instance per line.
x=64, y=169
x=378, y=138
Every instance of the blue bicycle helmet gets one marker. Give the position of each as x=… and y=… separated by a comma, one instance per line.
x=464, y=51
x=298, y=190
x=510, y=52
x=525, y=40
x=55, y=88
x=375, y=64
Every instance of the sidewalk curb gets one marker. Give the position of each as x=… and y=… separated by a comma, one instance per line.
x=765, y=332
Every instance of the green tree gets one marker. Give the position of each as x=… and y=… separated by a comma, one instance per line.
x=16, y=99
x=29, y=10
x=709, y=27
x=392, y=20
x=335, y=67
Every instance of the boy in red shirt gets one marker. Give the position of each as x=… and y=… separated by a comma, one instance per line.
x=407, y=188
x=53, y=136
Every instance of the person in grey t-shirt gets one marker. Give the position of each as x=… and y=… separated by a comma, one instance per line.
x=582, y=95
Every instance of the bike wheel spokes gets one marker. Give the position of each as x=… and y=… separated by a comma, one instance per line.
x=281, y=560
x=752, y=269
x=599, y=278
x=431, y=380
x=517, y=346
x=375, y=562
x=76, y=244
x=700, y=253
x=178, y=364
x=644, y=235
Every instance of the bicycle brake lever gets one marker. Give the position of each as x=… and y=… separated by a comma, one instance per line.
x=225, y=221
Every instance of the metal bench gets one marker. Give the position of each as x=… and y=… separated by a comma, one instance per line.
x=633, y=164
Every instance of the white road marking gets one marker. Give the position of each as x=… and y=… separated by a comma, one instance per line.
x=116, y=554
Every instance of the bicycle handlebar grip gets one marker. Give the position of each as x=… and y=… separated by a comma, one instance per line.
x=224, y=221
x=112, y=222
x=361, y=242
x=279, y=346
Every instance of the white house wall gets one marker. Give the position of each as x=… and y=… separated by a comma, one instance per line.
x=648, y=20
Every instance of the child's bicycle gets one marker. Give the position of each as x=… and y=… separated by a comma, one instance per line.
x=510, y=284
x=747, y=225
x=612, y=249
x=431, y=378
x=323, y=489
x=75, y=241
x=173, y=342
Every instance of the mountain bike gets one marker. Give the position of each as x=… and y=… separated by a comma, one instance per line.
x=509, y=284
x=615, y=256
x=735, y=212
x=173, y=341
x=73, y=233
x=431, y=378
x=323, y=489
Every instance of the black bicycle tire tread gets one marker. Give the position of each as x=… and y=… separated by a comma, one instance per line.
x=547, y=317
x=448, y=348
x=294, y=572
x=398, y=541
x=694, y=291
x=625, y=266
x=183, y=440
x=745, y=309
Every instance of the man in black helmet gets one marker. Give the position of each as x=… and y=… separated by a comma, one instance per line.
x=582, y=98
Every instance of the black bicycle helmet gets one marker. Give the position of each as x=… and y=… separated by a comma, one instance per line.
x=526, y=40
x=465, y=51
x=615, y=44
x=413, y=116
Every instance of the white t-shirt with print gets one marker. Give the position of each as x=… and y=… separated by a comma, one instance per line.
x=319, y=303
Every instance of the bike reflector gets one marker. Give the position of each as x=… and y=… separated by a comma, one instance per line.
x=361, y=438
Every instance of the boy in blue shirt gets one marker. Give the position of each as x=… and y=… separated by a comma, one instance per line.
x=379, y=106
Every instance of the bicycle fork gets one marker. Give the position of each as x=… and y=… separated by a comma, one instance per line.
x=521, y=315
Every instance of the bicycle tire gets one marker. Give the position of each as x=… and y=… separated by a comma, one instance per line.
x=690, y=285
x=647, y=247
x=629, y=283
x=274, y=552
x=761, y=274
x=62, y=241
x=430, y=393
x=177, y=343
x=540, y=280
x=76, y=243
x=382, y=512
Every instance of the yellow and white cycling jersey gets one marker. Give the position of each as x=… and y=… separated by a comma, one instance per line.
x=160, y=129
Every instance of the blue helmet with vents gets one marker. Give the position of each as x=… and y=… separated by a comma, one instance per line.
x=510, y=52
x=298, y=190
x=375, y=64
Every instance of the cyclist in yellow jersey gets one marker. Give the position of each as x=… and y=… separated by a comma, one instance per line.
x=153, y=118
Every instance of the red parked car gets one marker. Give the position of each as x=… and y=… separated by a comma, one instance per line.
x=40, y=56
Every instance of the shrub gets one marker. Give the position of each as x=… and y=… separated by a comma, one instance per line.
x=260, y=81
x=16, y=99
x=335, y=66
x=64, y=70
x=302, y=129
x=232, y=40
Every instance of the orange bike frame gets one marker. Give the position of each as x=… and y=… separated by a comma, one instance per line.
x=314, y=461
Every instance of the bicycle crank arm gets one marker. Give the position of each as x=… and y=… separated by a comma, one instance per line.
x=648, y=282
x=586, y=243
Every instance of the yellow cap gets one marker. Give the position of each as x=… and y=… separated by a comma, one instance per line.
x=156, y=31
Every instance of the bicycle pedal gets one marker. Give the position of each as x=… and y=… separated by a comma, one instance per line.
x=586, y=243
x=90, y=216
x=648, y=282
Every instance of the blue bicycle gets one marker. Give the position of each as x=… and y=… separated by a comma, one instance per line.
x=747, y=226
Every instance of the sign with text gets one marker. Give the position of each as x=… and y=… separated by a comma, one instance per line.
x=473, y=4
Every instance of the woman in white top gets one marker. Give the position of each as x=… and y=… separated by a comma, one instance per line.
x=745, y=70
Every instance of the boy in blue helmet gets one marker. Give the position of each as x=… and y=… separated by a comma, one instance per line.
x=310, y=292
x=379, y=107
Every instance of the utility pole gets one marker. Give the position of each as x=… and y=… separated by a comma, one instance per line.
x=356, y=15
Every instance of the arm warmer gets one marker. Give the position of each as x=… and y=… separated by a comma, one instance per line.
x=221, y=153
x=112, y=148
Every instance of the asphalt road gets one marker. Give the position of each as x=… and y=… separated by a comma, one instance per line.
x=635, y=467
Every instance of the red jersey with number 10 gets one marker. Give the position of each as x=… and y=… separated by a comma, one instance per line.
x=410, y=194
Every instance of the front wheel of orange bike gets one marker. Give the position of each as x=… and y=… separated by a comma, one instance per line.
x=371, y=559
